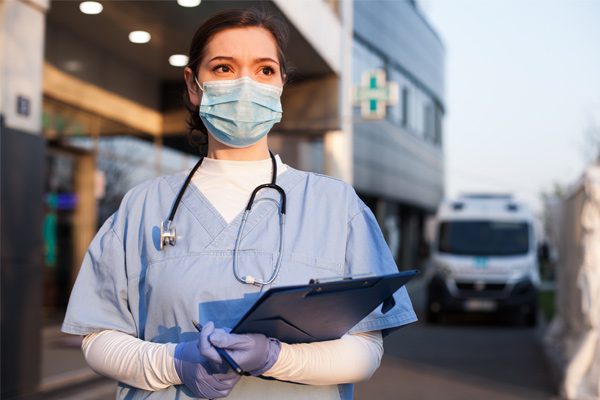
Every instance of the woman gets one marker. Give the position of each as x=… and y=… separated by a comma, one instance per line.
x=137, y=292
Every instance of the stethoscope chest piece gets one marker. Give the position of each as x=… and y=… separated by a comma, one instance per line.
x=167, y=234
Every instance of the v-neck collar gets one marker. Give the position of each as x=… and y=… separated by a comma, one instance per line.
x=223, y=234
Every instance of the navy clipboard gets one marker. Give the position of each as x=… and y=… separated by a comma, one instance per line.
x=320, y=311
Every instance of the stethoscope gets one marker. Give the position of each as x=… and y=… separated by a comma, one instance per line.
x=168, y=234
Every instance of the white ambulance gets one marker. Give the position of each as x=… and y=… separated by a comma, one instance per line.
x=483, y=258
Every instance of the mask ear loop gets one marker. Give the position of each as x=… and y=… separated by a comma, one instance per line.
x=199, y=85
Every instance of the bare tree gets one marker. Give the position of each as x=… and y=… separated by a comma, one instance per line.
x=591, y=145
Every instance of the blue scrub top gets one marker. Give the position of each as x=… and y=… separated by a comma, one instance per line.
x=127, y=284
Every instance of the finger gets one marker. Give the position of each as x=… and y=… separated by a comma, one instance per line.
x=228, y=379
x=219, y=338
x=206, y=348
x=208, y=328
x=230, y=341
x=219, y=331
x=207, y=351
x=224, y=380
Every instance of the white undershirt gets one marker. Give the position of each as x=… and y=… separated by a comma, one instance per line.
x=229, y=184
x=150, y=366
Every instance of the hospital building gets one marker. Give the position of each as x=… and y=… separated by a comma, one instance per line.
x=91, y=105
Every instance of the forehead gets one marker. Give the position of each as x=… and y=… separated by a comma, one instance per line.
x=255, y=42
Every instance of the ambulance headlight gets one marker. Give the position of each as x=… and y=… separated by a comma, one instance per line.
x=518, y=270
x=442, y=269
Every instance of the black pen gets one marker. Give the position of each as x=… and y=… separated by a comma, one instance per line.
x=224, y=355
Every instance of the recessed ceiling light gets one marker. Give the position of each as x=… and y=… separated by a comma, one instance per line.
x=139, y=37
x=188, y=3
x=73, y=65
x=90, y=7
x=178, y=60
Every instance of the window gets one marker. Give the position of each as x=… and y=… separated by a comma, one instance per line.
x=429, y=122
x=394, y=113
x=417, y=111
x=438, y=126
x=484, y=238
x=405, y=107
x=363, y=60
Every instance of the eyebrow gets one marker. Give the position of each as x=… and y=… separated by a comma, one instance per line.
x=262, y=59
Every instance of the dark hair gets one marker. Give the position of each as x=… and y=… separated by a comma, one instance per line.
x=237, y=18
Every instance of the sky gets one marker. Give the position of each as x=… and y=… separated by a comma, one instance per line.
x=522, y=90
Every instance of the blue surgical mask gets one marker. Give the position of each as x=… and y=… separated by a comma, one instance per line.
x=240, y=112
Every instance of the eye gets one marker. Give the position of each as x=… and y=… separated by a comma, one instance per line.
x=267, y=70
x=222, y=68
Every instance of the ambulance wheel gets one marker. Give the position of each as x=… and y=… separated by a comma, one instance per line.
x=432, y=317
x=531, y=318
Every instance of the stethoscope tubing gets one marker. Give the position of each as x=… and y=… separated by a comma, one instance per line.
x=168, y=233
x=249, y=279
x=182, y=190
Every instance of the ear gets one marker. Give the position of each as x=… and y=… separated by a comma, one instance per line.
x=194, y=92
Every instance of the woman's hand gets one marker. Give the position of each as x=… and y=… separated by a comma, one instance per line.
x=255, y=353
x=201, y=369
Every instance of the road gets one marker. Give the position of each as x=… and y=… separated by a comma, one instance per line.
x=473, y=357
x=443, y=362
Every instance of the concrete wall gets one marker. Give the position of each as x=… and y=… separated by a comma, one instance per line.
x=397, y=166
x=22, y=160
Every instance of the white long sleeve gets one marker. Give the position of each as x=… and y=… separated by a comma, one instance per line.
x=229, y=184
x=150, y=366
x=122, y=357
x=352, y=358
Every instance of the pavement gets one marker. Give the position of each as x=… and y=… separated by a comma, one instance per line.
x=460, y=361
x=461, y=358
x=464, y=357
x=63, y=366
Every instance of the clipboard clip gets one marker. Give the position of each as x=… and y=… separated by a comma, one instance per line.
x=388, y=304
x=317, y=281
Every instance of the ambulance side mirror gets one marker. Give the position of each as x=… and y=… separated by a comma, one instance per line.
x=424, y=250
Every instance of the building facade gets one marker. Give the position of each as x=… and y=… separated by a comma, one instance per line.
x=398, y=160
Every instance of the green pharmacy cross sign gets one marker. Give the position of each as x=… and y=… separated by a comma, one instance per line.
x=374, y=94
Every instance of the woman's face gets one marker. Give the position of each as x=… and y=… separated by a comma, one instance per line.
x=234, y=53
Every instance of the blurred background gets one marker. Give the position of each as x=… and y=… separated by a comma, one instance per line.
x=471, y=129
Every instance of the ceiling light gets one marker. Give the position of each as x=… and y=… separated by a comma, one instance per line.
x=90, y=7
x=73, y=66
x=139, y=37
x=188, y=3
x=178, y=60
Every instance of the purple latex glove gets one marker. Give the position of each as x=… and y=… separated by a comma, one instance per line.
x=201, y=369
x=254, y=352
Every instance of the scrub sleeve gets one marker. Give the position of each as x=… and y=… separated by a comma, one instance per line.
x=99, y=299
